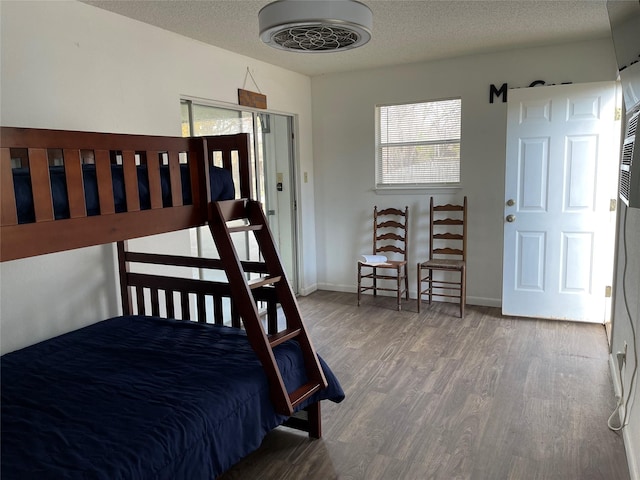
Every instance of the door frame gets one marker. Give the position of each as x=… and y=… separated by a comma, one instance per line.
x=295, y=274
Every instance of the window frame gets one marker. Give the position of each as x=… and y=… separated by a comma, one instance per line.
x=380, y=186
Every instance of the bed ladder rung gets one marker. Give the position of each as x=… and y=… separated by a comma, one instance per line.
x=303, y=393
x=243, y=299
x=283, y=336
x=244, y=228
x=262, y=281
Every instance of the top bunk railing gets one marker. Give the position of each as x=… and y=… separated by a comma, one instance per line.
x=232, y=152
x=62, y=189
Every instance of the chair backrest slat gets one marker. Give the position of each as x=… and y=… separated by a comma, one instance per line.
x=391, y=231
x=448, y=230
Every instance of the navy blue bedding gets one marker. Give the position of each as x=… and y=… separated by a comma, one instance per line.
x=222, y=188
x=140, y=398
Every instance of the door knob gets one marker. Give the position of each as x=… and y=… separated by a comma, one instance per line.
x=511, y=218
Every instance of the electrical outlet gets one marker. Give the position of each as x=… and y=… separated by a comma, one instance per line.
x=622, y=357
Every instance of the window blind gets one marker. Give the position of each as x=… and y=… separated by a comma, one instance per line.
x=419, y=143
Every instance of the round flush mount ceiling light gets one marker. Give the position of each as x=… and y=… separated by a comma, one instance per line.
x=315, y=26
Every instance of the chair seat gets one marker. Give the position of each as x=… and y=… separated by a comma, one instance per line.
x=443, y=263
x=387, y=264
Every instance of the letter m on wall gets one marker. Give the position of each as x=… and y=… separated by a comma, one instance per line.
x=495, y=92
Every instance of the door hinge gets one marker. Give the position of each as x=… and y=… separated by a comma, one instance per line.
x=613, y=203
x=618, y=114
x=607, y=291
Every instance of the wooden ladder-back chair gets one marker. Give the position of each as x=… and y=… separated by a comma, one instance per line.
x=390, y=237
x=447, y=253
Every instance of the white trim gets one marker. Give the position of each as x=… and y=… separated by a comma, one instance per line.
x=232, y=106
x=417, y=189
x=484, y=302
x=337, y=288
x=479, y=301
x=307, y=290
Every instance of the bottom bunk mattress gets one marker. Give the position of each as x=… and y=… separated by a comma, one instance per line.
x=139, y=398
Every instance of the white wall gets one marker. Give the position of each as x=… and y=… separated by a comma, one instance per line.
x=627, y=320
x=344, y=153
x=68, y=65
x=72, y=66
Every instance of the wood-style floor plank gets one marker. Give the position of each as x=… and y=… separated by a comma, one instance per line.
x=433, y=396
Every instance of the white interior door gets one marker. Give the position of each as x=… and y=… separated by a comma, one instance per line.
x=560, y=178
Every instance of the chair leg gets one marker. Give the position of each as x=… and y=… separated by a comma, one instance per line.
x=406, y=282
x=430, y=286
x=375, y=282
x=419, y=292
x=398, y=286
x=359, y=281
x=463, y=290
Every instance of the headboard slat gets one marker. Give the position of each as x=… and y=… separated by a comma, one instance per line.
x=105, y=182
x=75, y=185
x=153, y=170
x=140, y=301
x=169, y=303
x=175, y=179
x=217, y=310
x=9, y=214
x=40, y=184
x=155, y=304
x=202, y=308
x=130, y=180
x=200, y=185
x=184, y=301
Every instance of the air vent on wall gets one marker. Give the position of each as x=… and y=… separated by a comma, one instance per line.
x=630, y=162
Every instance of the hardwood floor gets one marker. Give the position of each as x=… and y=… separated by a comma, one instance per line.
x=432, y=396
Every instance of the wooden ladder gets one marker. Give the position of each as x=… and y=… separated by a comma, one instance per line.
x=241, y=289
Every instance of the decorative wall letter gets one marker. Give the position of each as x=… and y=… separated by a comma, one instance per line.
x=494, y=92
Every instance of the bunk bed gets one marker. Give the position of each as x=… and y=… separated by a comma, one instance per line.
x=173, y=388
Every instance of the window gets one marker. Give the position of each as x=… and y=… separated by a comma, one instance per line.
x=418, y=144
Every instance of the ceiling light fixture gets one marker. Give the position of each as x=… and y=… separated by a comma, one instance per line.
x=315, y=26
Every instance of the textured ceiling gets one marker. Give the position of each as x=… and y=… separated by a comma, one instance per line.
x=403, y=31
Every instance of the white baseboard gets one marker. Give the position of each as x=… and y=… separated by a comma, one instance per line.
x=484, y=302
x=332, y=287
x=481, y=301
x=304, y=291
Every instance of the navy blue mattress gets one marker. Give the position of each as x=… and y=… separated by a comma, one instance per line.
x=140, y=398
x=222, y=188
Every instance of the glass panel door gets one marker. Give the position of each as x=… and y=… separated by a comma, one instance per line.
x=271, y=137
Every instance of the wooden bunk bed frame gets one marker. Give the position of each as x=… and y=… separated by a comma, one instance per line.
x=37, y=147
